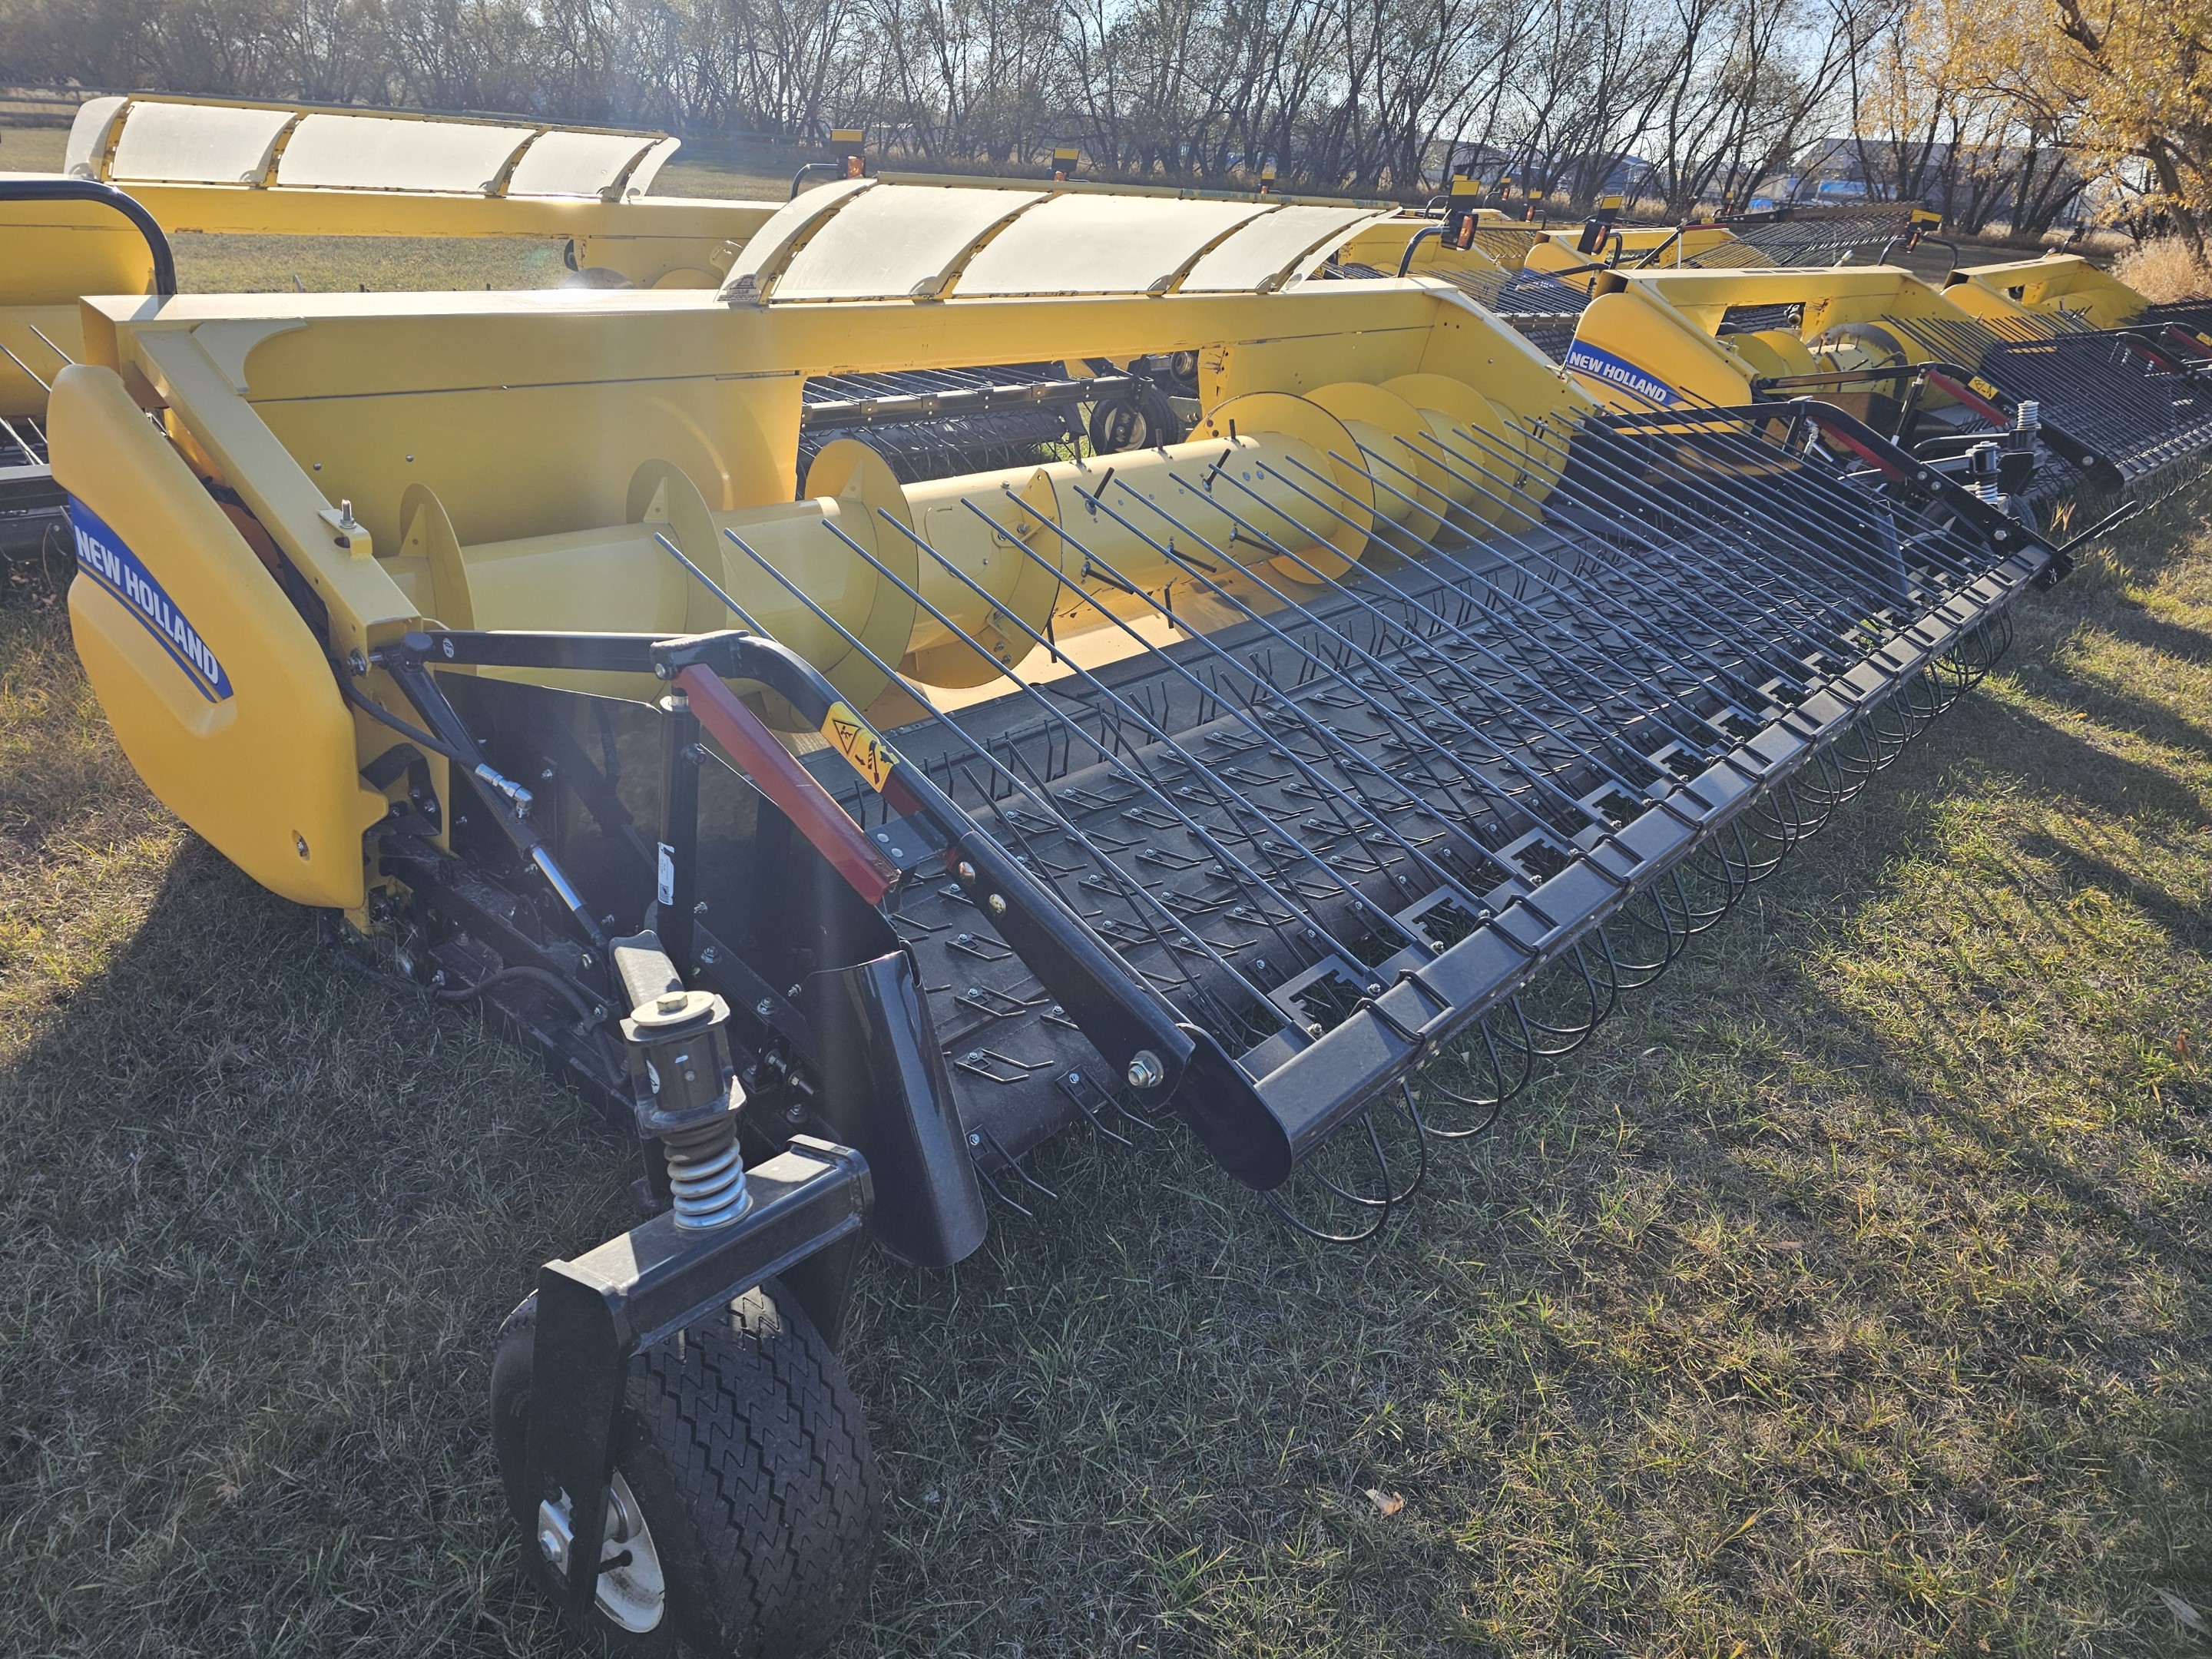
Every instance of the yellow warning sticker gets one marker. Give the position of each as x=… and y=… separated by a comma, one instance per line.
x=867, y=753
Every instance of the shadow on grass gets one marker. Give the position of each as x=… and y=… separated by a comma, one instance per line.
x=262, y=1219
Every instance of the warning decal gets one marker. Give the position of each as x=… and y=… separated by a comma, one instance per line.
x=867, y=753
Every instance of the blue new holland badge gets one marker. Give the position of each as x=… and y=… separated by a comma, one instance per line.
x=102, y=557
x=1619, y=371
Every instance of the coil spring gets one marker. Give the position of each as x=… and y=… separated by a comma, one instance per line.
x=707, y=1173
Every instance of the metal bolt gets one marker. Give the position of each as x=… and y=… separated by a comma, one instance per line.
x=356, y=662
x=707, y=955
x=1145, y=1071
x=795, y=1113
x=764, y=1007
x=975, y=1141
x=996, y=904
x=1375, y=990
x=966, y=871
x=671, y=1002
x=699, y=908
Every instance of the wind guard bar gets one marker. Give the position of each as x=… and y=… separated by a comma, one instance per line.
x=106, y=196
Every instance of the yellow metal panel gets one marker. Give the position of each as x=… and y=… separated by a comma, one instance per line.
x=1634, y=351
x=217, y=691
x=2058, y=281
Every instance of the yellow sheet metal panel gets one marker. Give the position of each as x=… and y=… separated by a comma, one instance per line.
x=1273, y=249
x=889, y=243
x=371, y=152
x=51, y=253
x=30, y=360
x=215, y=688
x=2057, y=282
x=1632, y=351
x=1100, y=245
x=214, y=144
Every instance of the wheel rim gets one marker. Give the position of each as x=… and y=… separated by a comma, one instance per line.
x=634, y=1595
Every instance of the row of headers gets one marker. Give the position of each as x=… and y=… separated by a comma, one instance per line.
x=161, y=140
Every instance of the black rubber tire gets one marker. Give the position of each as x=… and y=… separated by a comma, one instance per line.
x=748, y=1455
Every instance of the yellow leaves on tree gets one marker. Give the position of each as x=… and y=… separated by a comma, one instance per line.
x=2133, y=77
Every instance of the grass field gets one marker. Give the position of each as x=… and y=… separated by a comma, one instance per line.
x=1852, y=1293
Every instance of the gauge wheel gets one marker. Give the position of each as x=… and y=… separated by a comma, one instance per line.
x=743, y=1515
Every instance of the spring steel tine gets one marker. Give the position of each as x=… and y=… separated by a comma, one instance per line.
x=1729, y=435
x=1331, y=744
x=1189, y=760
x=1043, y=804
x=1739, y=530
x=1721, y=429
x=1365, y=806
x=712, y=587
x=1647, y=651
x=1475, y=779
x=1535, y=634
x=1536, y=779
x=1312, y=774
x=1134, y=775
x=1626, y=623
x=1380, y=666
x=1695, y=604
x=1664, y=553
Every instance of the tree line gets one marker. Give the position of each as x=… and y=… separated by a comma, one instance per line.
x=1714, y=99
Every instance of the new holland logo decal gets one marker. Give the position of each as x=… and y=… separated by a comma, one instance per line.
x=101, y=556
x=1618, y=371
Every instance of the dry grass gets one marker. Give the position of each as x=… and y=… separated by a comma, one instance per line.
x=2164, y=271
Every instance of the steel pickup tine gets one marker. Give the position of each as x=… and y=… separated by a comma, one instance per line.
x=1661, y=562
x=1375, y=664
x=1542, y=625
x=1043, y=804
x=1312, y=774
x=1725, y=428
x=1623, y=621
x=1311, y=919
x=1319, y=733
x=1799, y=593
x=1312, y=727
x=1538, y=635
x=1536, y=779
x=1746, y=532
